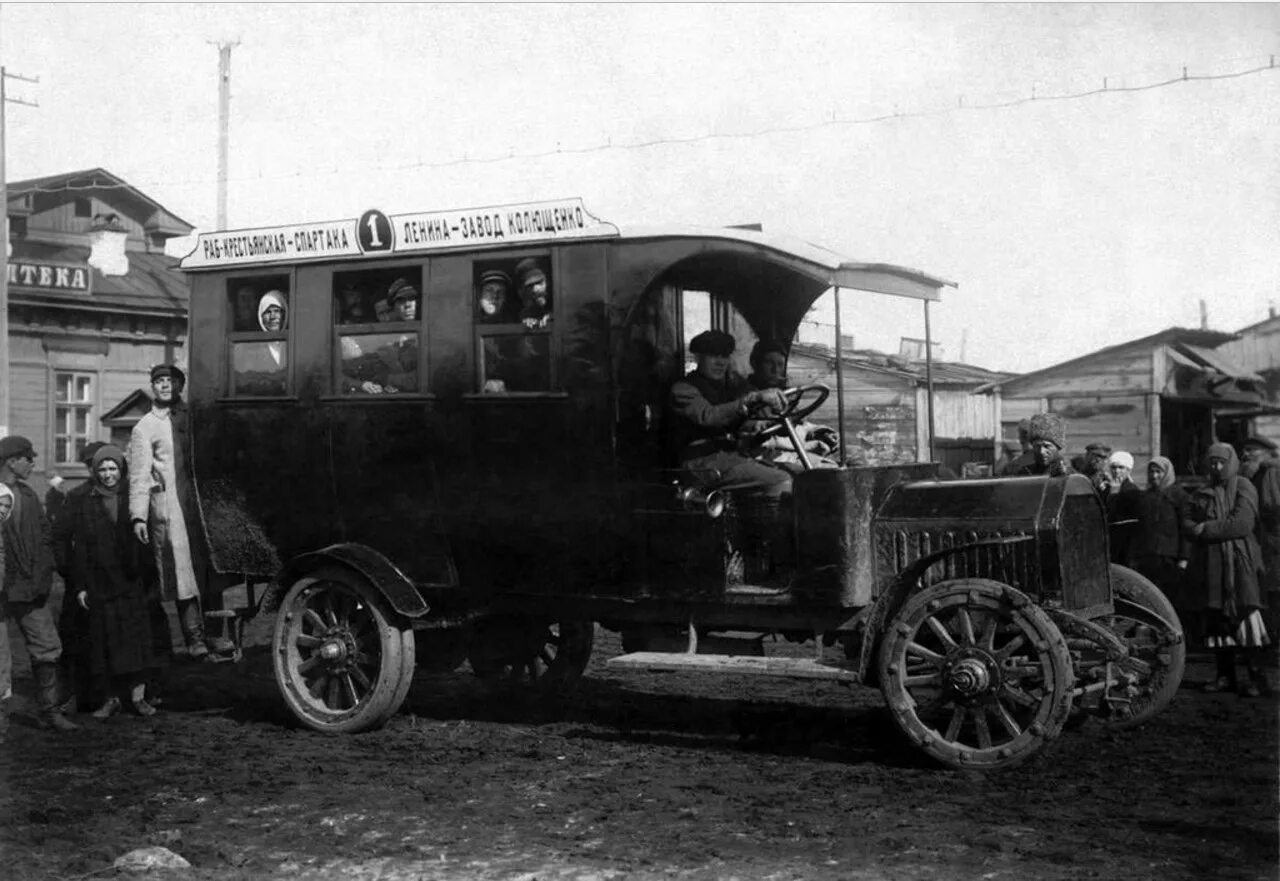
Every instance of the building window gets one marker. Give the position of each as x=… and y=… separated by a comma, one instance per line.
x=72, y=416
x=377, y=316
x=84, y=207
x=514, y=308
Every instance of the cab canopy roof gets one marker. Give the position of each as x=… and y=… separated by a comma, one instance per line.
x=375, y=235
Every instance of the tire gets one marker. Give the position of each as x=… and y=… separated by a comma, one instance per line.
x=342, y=659
x=975, y=674
x=1149, y=640
x=544, y=656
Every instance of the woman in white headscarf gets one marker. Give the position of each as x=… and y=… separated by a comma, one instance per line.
x=1122, y=497
x=273, y=315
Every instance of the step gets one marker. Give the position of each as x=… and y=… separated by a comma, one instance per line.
x=790, y=668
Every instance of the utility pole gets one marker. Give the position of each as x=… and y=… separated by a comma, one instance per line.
x=224, y=124
x=5, y=373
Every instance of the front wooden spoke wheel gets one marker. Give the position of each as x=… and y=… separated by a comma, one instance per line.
x=975, y=674
x=341, y=662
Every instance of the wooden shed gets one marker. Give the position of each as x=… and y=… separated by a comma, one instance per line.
x=1172, y=393
x=886, y=406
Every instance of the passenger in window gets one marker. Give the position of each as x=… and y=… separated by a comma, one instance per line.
x=535, y=294
x=351, y=305
x=382, y=309
x=361, y=372
x=495, y=297
x=403, y=298
x=401, y=356
x=245, y=304
x=272, y=312
x=516, y=363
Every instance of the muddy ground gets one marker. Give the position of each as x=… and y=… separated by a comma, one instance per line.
x=673, y=776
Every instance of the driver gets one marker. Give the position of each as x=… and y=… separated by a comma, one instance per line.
x=769, y=370
x=709, y=405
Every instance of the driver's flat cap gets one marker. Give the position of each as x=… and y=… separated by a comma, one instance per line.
x=712, y=342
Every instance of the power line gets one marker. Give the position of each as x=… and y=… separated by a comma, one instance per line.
x=834, y=121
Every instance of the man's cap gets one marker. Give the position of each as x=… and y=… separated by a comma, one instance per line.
x=1050, y=427
x=1264, y=443
x=495, y=275
x=15, y=445
x=712, y=342
x=170, y=370
x=401, y=289
x=1098, y=448
x=105, y=452
x=528, y=269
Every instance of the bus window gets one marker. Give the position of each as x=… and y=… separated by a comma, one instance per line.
x=514, y=311
x=376, y=317
x=259, y=310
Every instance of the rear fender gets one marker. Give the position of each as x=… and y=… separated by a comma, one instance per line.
x=380, y=572
x=907, y=583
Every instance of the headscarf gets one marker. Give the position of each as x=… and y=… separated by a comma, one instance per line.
x=108, y=494
x=5, y=491
x=269, y=299
x=1167, y=476
x=1121, y=458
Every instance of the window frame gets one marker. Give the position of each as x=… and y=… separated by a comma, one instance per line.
x=89, y=405
x=482, y=331
x=417, y=327
x=229, y=391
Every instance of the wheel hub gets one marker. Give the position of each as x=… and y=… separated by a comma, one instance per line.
x=969, y=677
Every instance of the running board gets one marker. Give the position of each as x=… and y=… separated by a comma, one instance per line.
x=789, y=668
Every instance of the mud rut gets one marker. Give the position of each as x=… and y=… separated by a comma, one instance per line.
x=658, y=776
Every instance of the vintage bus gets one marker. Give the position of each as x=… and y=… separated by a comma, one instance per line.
x=454, y=445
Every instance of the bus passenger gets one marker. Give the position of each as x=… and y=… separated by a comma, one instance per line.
x=495, y=297
x=245, y=304
x=401, y=355
x=271, y=312
x=708, y=406
x=351, y=305
x=769, y=370
x=535, y=295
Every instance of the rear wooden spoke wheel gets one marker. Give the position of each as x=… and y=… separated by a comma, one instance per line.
x=975, y=674
x=342, y=660
x=529, y=653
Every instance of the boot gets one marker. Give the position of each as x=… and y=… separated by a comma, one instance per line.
x=191, y=620
x=46, y=677
x=137, y=697
x=1226, y=680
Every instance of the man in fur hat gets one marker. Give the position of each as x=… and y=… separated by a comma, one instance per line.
x=1048, y=435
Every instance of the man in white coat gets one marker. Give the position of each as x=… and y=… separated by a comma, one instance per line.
x=162, y=500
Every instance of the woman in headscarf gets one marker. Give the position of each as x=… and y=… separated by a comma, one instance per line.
x=107, y=564
x=1121, y=498
x=272, y=315
x=1160, y=550
x=1225, y=566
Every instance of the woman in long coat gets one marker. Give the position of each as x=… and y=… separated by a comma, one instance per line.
x=107, y=563
x=1160, y=551
x=1226, y=565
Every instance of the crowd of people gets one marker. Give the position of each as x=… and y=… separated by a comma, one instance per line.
x=124, y=544
x=1213, y=551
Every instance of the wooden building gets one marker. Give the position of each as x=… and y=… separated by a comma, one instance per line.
x=1257, y=350
x=1172, y=393
x=94, y=302
x=886, y=406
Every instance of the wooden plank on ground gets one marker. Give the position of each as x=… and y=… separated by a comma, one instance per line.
x=793, y=668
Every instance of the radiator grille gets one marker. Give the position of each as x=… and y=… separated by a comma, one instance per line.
x=1016, y=564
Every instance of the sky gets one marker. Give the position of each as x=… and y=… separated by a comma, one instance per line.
x=1068, y=225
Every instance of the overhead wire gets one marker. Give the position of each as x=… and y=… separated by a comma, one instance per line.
x=833, y=121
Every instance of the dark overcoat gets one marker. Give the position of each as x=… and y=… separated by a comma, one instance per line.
x=1225, y=558
x=107, y=562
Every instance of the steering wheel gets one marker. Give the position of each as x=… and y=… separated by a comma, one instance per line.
x=796, y=411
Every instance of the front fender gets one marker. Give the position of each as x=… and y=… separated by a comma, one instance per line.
x=903, y=586
x=393, y=584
